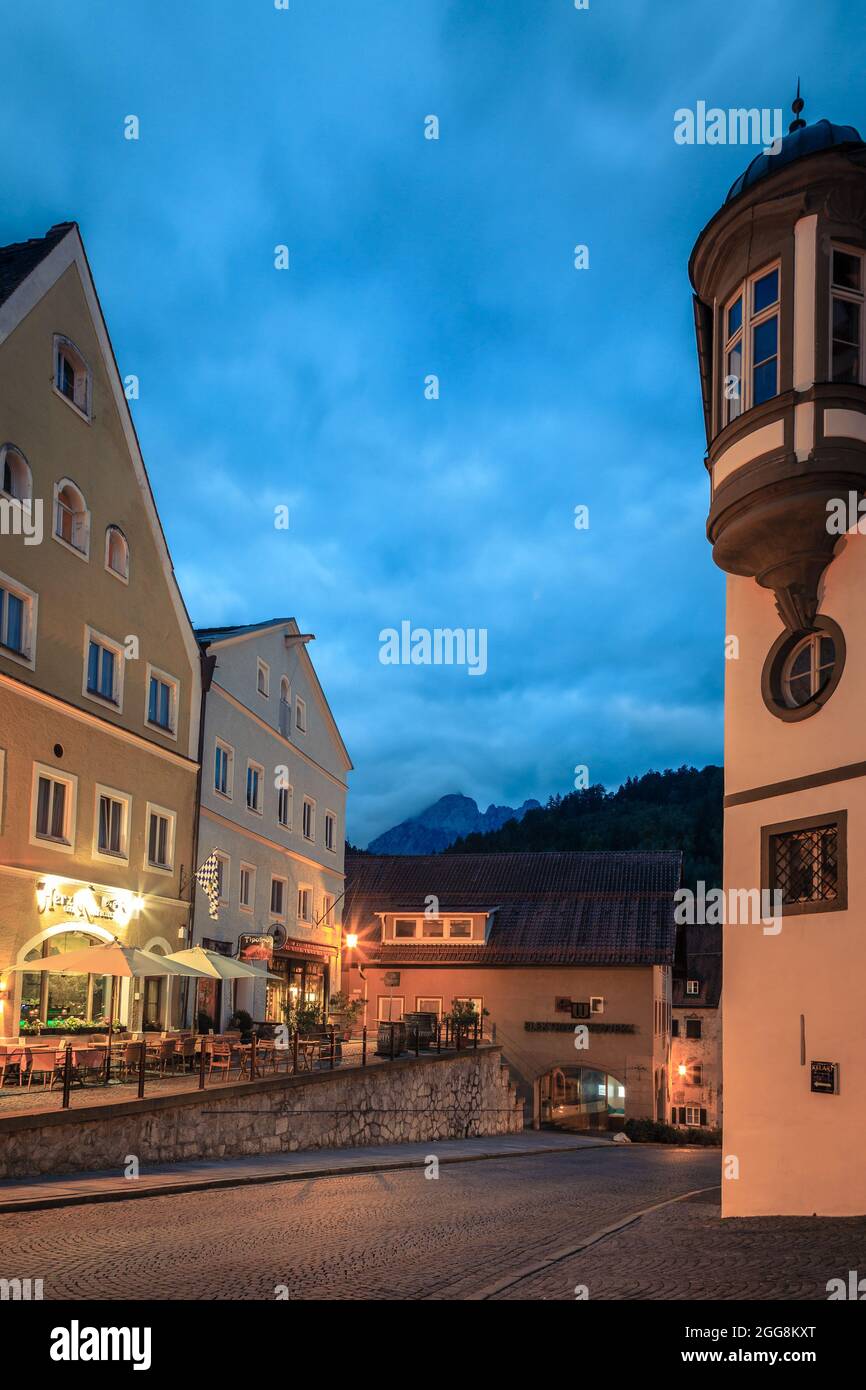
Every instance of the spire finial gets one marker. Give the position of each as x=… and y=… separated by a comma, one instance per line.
x=797, y=106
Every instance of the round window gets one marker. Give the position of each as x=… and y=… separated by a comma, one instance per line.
x=803, y=669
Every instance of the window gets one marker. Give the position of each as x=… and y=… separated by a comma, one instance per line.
x=846, y=315
x=116, y=553
x=223, y=768
x=693, y=986
x=255, y=780
x=263, y=678
x=675, y=1028
x=802, y=670
x=285, y=707
x=459, y=928
x=694, y=1074
x=285, y=797
x=15, y=477
x=71, y=518
x=328, y=909
x=429, y=1005
x=246, y=887
x=305, y=903
x=160, y=838
x=751, y=351
x=694, y=1115
x=804, y=862
x=300, y=714
x=223, y=870
x=308, y=819
x=71, y=375
x=278, y=897
x=808, y=669
x=112, y=823
x=161, y=701
x=390, y=1008
x=330, y=830
x=53, y=807
x=103, y=671
x=694, y=1028
x=433, y=928
x=17, y=620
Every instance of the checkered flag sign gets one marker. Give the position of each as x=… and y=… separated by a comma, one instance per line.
x=208, y=880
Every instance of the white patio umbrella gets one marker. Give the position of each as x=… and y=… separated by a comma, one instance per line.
x=219, y=967
x=109, y=958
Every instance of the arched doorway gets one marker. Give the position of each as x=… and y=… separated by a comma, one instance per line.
x=577, y=1098
x=50, y=997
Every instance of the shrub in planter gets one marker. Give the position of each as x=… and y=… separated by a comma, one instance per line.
x=647, y=1131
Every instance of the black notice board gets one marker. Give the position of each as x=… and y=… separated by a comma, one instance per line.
x=825, y=1077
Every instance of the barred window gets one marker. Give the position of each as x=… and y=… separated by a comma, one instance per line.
x=805, y=864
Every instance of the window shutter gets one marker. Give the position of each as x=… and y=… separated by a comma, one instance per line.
x=703, y=1117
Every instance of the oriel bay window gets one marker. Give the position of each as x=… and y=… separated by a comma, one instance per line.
x=846, y=315
x=750, y=369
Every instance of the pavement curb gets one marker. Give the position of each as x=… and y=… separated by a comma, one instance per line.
x=139, y=1188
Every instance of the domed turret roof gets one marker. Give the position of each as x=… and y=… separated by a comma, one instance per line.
x=799, y=142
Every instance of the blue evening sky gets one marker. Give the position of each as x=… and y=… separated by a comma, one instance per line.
x=409, y=257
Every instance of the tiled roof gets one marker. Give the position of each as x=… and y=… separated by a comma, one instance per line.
x=701, y=951
x=205, y=635
x=21, y=257
x=551, y=907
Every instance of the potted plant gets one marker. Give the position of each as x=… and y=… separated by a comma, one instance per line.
x=344, y=1013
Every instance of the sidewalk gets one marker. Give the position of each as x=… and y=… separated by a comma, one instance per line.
x=73, y=1189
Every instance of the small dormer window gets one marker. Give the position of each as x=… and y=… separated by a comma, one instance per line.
x=693, y=986
x=846, y=327
x=15, y=476
x=71, y=375
x=116, y=552
x=71, y=517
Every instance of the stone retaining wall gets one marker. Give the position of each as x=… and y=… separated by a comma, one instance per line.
x=453, y=1096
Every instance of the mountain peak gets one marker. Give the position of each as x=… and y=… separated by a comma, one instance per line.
x=439, y=825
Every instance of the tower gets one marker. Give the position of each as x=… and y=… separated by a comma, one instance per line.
x=779, y=275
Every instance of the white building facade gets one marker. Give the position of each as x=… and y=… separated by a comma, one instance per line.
x=273, y=810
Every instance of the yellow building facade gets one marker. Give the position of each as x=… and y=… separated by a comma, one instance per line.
x=100, y=687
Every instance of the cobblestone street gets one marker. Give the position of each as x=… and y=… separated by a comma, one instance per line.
x=502, y=1228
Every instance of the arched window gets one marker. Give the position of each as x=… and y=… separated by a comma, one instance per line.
x=117, y=552
x=15, y=477
x=285, y=707
x=71, y=517
x=71, y=374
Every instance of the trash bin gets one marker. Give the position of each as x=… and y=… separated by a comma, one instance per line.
x=383, y=1038
x=421, y=1026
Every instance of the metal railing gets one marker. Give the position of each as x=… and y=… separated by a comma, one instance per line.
x=213, y=1059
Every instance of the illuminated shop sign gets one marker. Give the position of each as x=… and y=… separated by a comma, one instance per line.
x=88, y=904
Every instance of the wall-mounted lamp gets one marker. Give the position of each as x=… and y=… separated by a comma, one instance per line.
x=351, y=940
